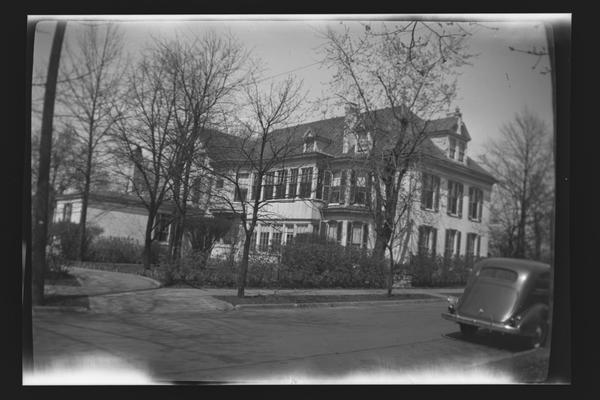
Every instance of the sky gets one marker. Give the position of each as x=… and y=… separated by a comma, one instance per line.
x=497, y=85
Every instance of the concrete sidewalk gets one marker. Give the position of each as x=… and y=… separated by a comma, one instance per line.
x=115, y=292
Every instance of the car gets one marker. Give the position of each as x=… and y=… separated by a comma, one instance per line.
x=505, y=295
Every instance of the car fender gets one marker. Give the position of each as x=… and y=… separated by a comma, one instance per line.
x=532, y=316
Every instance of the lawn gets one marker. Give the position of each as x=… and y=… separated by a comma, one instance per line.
x=292, y=299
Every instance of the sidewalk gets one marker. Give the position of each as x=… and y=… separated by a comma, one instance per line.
x=115, y=292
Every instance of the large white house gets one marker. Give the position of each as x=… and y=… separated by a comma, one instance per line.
x=322, y=187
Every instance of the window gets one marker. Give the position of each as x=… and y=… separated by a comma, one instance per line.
x=161, y=227
x=365, y=240
x=196, y=190
x=427, y=239
x=263, y=244
x=473, y=241
x=240, y=195
x=461, y=151
x=280, y=186
x=305, y=182
x=253, y=241
x=430, y=192
x=362, y=142
x=455, y=195
x=332, y=230
x=499, y=273
x=339, y=232
x=255, y=187
x=289, y=233
x=219, y=183
x=452, y=148
x=475, y=203
x=319, y=191
x=338, y=187
x=452, y=246
x=326, y=185
x=293, y=183
x=269, y=185
x=67, y=210
x=309, y=145
x=276, y=241
x=358, y=187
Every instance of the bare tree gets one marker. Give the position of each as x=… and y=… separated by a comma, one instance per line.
x=206, y=72
x=522, y=161
x=262, y=146
x=143, y=135
x=397, y=77
x=90, y=100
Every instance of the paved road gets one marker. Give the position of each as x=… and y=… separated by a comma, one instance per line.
x=278, y=346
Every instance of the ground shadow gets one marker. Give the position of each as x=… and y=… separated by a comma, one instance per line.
x=511, y=343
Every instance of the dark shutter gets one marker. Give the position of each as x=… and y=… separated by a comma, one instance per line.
x=369, y=190
x=323, y=230
x=338, y=238
x=447, y=244
x=434, y=241
x=436, y=192
x=343, y=187
x=349, y=234
x=478, y=245
x=365, y=235
x=460, y=200
x=458, y=243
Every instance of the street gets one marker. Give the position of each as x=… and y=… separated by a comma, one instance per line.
x=258, y=346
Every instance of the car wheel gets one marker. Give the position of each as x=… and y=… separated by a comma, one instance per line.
x=539, y=336
x=468, y=330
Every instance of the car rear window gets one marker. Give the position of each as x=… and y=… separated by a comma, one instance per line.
x=499, y=273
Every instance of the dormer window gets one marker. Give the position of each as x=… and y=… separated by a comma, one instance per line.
x=452, y=148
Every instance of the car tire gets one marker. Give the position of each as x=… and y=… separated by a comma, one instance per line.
x=467, y=330
x=540, y=333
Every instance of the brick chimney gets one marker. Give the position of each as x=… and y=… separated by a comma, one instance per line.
x=350, y=119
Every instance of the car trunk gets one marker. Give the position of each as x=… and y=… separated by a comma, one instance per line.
x=488, y=300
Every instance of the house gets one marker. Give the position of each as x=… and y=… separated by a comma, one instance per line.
x=322, y=187
x=118, y=214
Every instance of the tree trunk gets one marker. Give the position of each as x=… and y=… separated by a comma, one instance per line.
x=40, y=231
x=244, y=265
x=84, y=207
x=390, y=273
x=147, y=253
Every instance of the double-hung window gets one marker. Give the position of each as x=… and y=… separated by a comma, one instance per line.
x=293, y=183
x=269, y=185
x=161, y=227
x=452, y=246
x=263, y=244
x=452, y=148
x=475, y=203
x=455, y=196
x=67, y=210
x=280, y=185
x=427, y=239
x=306, y=182
x=430, y=192
x=473, y=244
x=337, y=187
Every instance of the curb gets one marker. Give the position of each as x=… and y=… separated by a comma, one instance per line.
x=332, y=304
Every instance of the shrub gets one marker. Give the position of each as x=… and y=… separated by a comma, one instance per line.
x=64, y=238
x=435, y=271
x=115, y=250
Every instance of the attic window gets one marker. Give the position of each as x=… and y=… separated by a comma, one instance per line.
x=461, y=151
x=452, y=148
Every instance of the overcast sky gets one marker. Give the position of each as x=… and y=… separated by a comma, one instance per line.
x=498, y=84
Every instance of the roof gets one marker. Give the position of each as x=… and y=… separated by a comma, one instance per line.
x=227, y=147
x=519, y=265
x=107, y=196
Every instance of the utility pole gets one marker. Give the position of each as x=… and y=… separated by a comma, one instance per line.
x=40, y=226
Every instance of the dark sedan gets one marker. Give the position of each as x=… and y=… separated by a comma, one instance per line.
x=505, y=295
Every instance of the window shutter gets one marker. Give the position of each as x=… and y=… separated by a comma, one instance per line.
x=349, y=233
x=369, y=190
x=338, y=238
x=436, y=191
x=480, y=206
x=323, y=230
x=365, y=235
x=352, y=187
x=460, y=202
x=458, y=243
x=434, y=241
x=447, y=244
x=343, y=187
x=478, y=245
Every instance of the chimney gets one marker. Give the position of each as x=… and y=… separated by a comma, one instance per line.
x=350, y=118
